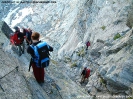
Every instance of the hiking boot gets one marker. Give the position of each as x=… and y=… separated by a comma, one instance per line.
x=39, y=81
x=42, y=81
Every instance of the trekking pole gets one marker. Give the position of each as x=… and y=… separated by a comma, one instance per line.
x=30, y=64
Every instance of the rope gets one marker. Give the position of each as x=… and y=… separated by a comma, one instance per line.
x=10, y=72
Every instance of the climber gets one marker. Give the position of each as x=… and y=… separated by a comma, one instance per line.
x=87, y=45
x=17, y=39
x=27, y=35
x=85, y=74
x=39, y=52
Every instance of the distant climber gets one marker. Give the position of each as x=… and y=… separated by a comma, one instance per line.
x=17, y=39
x=39, y=52
x=87, y=45
x=85, y=74
x=27, y=35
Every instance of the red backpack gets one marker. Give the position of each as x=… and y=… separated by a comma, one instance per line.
x=15, y=40
x=87, y=73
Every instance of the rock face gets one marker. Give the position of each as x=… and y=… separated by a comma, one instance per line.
x=12, y=82
x=68, y=25
x=17, y=82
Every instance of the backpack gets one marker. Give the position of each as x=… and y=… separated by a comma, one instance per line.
x=15, y=40
x=41, y=54
x=28, y=35
x=87, y=73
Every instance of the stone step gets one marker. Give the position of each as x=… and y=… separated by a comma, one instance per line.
x=67, y=88
x=51, y=88
x=36, y=90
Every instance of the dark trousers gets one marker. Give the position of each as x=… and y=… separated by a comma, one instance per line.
x=38, y=73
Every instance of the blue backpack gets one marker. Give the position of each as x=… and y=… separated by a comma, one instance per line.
x=41, y=51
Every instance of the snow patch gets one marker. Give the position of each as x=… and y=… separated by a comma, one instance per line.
x=25, y=12
x=17, y=18
x=8, y=17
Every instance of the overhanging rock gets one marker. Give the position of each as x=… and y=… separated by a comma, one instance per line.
x=5, y=28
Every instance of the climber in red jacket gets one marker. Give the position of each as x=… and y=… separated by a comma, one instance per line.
x=87, y=45
x=85, y=74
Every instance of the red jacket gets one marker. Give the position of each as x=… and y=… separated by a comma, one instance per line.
x=88, y=43
x=16, y=38
x=87, y=73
